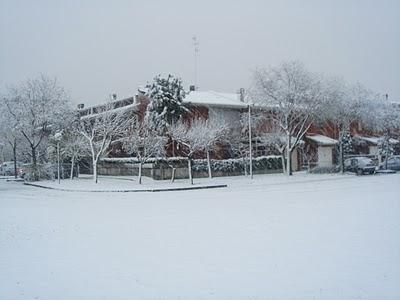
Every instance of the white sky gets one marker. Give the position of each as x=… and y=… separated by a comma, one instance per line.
x=96, y=48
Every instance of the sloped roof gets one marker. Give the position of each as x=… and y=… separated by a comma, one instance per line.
x=114, y=110
x=322, y=140
x=375, y=139
x=216, y=99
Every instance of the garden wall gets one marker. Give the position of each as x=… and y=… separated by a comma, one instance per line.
x=161, y=169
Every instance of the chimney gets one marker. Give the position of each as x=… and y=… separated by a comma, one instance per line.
x=192, y=88
x=81, y=106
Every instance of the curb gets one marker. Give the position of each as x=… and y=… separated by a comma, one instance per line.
x=204, y=187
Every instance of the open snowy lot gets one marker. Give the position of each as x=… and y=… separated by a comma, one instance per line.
x=317, y=237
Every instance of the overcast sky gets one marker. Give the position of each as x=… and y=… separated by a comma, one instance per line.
x=96, y=48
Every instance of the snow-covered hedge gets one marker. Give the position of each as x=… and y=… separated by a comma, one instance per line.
x=272, y=162
x=239, y=164
x=150, y=160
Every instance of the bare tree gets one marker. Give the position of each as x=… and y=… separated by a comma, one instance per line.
x=239, y=148
x=383, y=117
x=74, y=146
x=341, y=108
x=39, y=106
x=144, y=143
x=200, y=135
x=101, y=129
x=292, y=94
x=275, y=139
x=9, y=132
x=210, y=132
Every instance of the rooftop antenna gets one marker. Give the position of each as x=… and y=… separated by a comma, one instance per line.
x=196, y=52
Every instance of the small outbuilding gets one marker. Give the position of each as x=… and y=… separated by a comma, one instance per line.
x=370, y=143
x=321, y=149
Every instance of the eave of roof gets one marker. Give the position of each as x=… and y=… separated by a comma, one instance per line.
x=322, y=140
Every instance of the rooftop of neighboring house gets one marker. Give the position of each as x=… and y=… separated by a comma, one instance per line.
x=374, y=140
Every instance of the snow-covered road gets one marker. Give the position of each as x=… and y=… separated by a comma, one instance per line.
x=328, y=239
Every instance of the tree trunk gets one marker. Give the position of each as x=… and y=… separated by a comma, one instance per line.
x=190, y=170
x=173, y=175
x=209, y=164
x=140, y=173
x=77, y=170
x=288, y=156
x=283, y=163
x=387, y=152
x=15, y=159
x=72, y=167
x=341, y=152
x=95, y=171
x=245, y=166
x=35, y=175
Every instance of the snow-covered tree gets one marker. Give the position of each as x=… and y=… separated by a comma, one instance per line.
x=102, y=128
x=341, y=108
x=385, y=148
x=165, y=107
x=200, y=135
x=210, y=132
x=74, y=146
x=237, y=141
x=293, y=95
x=347, y=143
x=9, y=133
x=144, y=143
x=39, y=106
x=275, y=139
x=386, y=120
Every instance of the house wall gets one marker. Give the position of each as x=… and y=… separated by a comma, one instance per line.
x=228, y=115
x=325, y=158
x=373, y=149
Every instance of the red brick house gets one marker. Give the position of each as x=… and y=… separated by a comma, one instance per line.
x=320, y=141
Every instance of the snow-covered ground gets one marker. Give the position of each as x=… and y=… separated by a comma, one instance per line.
x=310, y=237
x=129, y=183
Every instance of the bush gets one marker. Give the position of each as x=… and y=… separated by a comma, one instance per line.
x=46, y=171
x=43, y=171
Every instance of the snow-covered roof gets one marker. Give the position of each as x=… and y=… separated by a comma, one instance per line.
x=211, y=98
x=375, y=139
x=322, y=140
x=114, y=110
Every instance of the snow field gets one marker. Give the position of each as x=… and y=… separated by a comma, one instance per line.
x=333, y=238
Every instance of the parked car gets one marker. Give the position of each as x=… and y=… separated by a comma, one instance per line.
x=360, y=165
x=393, y=163
x=7, y=168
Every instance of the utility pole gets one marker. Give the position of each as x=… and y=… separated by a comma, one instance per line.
x=250, y=144
x=58, y=161
x=196, y=51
